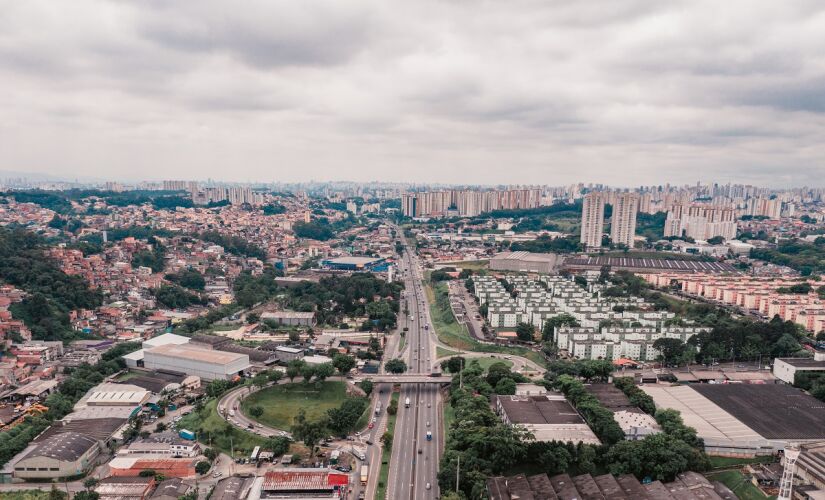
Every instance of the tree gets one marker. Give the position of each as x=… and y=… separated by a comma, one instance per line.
x=344, y=418
x=671, y=349
x=160, y=427
x=343, y=363
x=86, y=495
x=307, y=431
x=396, y=365
x=90, y=483
x=324, y=371
x=453, y=365
x=211, y=454
x=201, y=467
x=256, y=411
x=293, y=369
x=367, y=386
x=506, y=386
x=260, y=380
x=386, y=438
x=497, y=371
x=253, y=317
x=278, y=445
x=55, y=494
x=274, y=376
x=564, y=319
x=294, y=337
x=659, y=456
x=307, y=371
x=526, y=332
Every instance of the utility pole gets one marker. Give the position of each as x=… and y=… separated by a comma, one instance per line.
x=457, y=473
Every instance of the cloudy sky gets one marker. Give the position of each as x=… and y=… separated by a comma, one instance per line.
x=617, y=91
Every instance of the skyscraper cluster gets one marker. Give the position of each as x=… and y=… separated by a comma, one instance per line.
x=467, y=202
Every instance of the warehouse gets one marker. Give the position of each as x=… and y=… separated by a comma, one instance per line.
x=646, y=265
x=304, y=483
x=545, y=263
x=548, y=417
x=291, y=318
x=170, y=467
x=356, y=264
x=744, y=420
x=776, y=412
x=62, y=455
x=785, y=369
x=204, y=363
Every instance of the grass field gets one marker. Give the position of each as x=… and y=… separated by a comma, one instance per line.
x=124, y=377
x=214, y=431
x=282, y=402
x=449, y=416
x=455, y=335
x=737, y=482
x=440, y=352
x=28, y=494
x=384, y=473
x=721, y=462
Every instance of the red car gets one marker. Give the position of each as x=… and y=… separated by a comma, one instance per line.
x=371, y=425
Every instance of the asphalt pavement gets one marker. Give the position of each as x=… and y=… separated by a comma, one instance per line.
x=414, y=463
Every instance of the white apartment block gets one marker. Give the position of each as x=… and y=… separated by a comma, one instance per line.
x=623, y=221
x=592, y=220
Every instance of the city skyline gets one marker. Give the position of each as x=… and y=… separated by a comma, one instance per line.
x=629, y=93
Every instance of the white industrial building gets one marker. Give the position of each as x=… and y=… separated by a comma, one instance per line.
x=785, y=369
x=206, y=364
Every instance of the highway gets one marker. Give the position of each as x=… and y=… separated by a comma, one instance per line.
x=414, y=463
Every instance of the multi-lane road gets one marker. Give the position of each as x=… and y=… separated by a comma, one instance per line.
x=414, y=463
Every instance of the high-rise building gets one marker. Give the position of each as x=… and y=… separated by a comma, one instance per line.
x=700, y=222
x=592, y=220
x=623, y=221
x=467, y=202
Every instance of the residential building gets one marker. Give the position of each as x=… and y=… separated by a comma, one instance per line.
x=623, y=220
x=592, y=220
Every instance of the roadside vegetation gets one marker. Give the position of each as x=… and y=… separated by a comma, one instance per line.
x=455, y=335
x=386, y=451
x=486, y=446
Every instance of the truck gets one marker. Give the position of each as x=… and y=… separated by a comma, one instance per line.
x=185, y=434
x=407, y=403
x=429, y=436
x=365, y=474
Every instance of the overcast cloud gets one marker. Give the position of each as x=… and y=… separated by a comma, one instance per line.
x=623, y=92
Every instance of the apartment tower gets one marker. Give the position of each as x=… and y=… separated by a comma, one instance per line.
x=623, y=221
x=592, y=220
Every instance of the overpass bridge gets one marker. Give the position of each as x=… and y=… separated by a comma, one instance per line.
x=412, y=378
